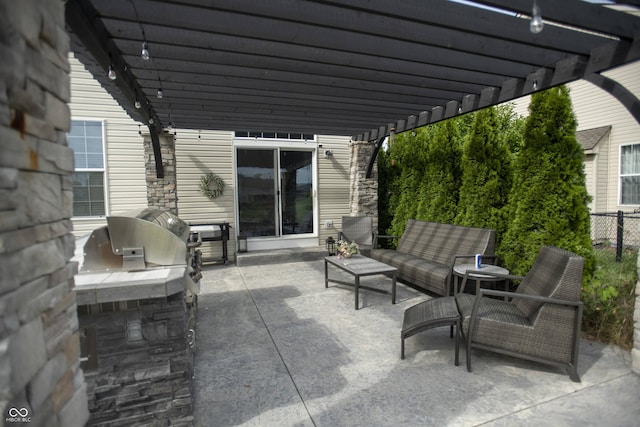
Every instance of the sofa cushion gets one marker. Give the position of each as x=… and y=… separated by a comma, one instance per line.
x=418, y=271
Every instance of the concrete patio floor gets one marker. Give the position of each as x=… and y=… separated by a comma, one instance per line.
x=275, y=348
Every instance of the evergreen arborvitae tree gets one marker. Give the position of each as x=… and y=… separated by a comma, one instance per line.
x=438, y=191
x=388, y=184
x=486, y=175
x=510, y=127
x=408, y=155
x=548, y=201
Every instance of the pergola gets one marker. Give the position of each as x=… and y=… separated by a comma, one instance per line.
x=363, y=68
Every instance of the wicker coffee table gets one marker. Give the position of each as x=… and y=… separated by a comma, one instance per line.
x=359, y=266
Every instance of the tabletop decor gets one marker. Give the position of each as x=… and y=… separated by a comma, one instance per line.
x=346, y=248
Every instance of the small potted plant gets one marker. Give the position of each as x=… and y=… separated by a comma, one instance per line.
x=347, y=249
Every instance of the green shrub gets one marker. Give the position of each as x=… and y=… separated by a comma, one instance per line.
x=549, y=199
x=609, y=298
x=486, y=175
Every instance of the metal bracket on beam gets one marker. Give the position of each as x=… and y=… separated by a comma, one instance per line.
x=157, y=154
x=618, y=91
x=374, y=155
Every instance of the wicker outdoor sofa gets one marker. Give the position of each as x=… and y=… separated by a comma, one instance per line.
x=428, y=251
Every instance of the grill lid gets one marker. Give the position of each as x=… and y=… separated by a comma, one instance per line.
x=145, y=237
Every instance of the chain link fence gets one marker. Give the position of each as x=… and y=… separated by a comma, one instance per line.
x=619, y=229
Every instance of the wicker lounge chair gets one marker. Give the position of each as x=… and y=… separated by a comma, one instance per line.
x=358, y=229
x=540, y=321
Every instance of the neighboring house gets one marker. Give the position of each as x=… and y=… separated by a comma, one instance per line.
x=610, y=136
x=290, y=194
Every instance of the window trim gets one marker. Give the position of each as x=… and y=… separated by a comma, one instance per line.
x=105, y=181
x=620, y=175
x=275, y=138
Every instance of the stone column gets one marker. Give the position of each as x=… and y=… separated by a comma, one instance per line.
x=41, y=383
x=161, y=192
x=363, y=192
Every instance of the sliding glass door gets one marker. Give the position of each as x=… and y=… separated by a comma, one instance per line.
x=275, y=192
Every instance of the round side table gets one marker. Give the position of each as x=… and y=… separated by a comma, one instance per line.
x=476, y=274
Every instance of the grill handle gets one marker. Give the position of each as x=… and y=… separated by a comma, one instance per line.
x=194, y=244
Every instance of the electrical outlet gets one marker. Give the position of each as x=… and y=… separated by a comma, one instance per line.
x=328, y=224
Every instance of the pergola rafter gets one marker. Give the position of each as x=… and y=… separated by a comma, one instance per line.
x=342, y=67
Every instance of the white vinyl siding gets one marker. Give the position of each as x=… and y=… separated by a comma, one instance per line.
x=124, y=151
x=594, y=108
x=199, y=153
x=334, y=184
x=601, y=176
x=589, y=170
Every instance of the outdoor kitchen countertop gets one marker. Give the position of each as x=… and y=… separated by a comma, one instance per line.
x=109, y=286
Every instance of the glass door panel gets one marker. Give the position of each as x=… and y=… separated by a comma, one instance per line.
x=296, y=198
x=257, y=201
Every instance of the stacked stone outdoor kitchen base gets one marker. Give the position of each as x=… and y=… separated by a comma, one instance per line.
x=136, y=295
x=144, y=366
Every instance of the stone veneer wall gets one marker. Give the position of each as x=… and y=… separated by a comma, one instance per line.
x=41, y=382
x=363, y=192
x=145, y=381
x=161, y=192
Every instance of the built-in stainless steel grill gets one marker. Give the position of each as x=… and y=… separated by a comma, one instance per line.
x=136, y=292
x=141, y=240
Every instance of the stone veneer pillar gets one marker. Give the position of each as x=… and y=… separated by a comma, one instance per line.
x=363, y=191
x=41, y=383
x=161, y=192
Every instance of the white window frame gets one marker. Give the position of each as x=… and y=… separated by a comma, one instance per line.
x=268, y=140
x=103, y=169
x=621, y=175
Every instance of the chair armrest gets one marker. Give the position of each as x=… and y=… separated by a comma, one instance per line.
x=382, y=236
x=538, y=298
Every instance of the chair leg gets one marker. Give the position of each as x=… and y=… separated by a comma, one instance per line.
x=457, y=360
x=468, y=354
x=402, y=347
x=573, y=373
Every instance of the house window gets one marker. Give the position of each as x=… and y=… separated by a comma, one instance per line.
x=86, y=141
x=630, y=174
x=275, y=135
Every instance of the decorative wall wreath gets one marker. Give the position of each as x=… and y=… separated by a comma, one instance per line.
x=211, y=185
